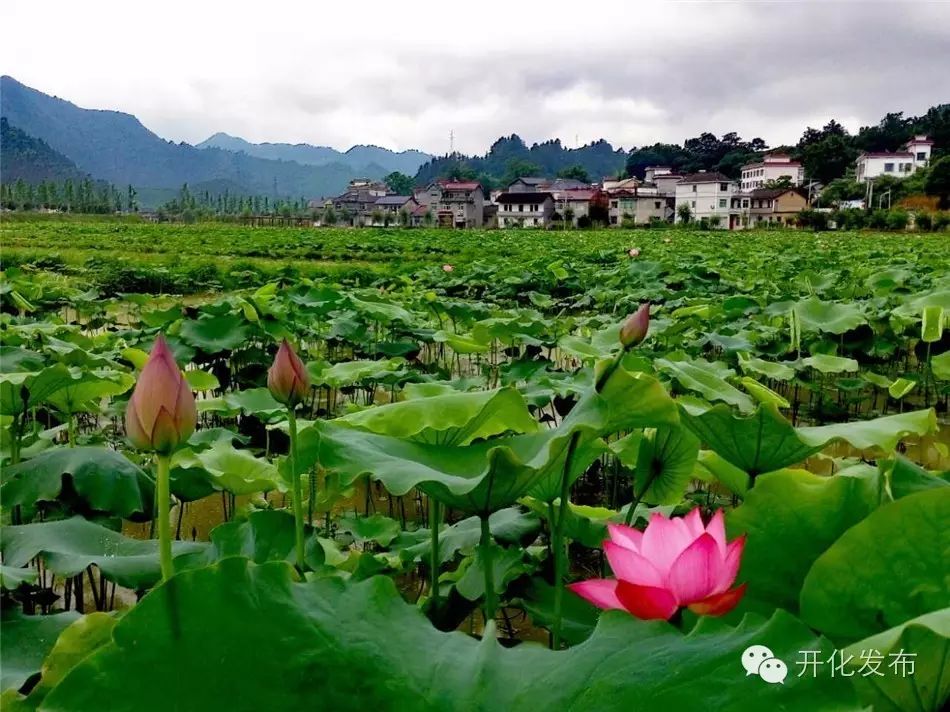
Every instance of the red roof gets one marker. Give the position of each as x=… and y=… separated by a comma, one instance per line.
x=577, y=194
x=920, y=142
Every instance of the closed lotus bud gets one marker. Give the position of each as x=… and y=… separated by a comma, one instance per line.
x=634, y=252
x=287, y=378
x=447, y=268
x=161, y=413
x=634, y=329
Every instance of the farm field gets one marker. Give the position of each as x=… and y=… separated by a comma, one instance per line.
x=418, y=505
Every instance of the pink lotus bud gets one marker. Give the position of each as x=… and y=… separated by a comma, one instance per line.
x=634, y=329
x=287, y=378
x=671, y=564
x=161, y=413
x=447, y=268
x=634, y=252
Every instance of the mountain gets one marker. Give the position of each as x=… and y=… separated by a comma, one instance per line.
x=114, y=146
x=31, y=159
x=359, y=157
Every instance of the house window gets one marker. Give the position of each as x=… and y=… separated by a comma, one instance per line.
x=723, y=186
x=745, y=203
x=921, y=156
x=694, y=188
x=722, y=202
x=520, y=208
x=656, y=204
x=693, y=203
x=888, y=167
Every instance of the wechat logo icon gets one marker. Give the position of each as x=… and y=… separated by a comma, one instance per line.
x=759, y=660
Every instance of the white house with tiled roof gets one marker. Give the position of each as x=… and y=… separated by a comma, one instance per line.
x=774, y=166
x=708, y=195
x=900, y=164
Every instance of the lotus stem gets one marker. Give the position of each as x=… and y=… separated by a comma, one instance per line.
x=559, y=558
x=486, y=545
x=164, y=520
x=296, y=496
x=435, y=517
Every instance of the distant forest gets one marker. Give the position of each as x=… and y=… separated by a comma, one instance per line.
x=827, y=153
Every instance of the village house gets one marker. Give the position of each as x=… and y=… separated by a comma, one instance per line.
x=528, y=184
x=455, y=203
x=708, y=195
x=916, y=154
x=392, y=205
x=766, y=206
x=772, y=167
x=579, y=202
x=632, y=207
x=530, y=209
x=663, y=178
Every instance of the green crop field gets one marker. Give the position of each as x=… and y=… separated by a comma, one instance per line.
x=472, y=414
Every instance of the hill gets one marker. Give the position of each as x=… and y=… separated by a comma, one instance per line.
x=359, y=158
x=116, y=147
x=23, y=157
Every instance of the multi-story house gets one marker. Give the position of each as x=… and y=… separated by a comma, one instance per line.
x=455, y=203
x=531, y=209
x=392, y=205
x=900, y=164
x=640, y=208
x=582, y=203
x=772, y=167
x=708, y=195
x=528, y=184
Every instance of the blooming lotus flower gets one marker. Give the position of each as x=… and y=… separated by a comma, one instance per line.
x=671, y=564
x=634, y=329
x=447, y=268
x=634, y=252
x=161, y=413
x=287, y=378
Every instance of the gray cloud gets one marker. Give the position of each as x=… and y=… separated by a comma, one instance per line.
x=631, y=73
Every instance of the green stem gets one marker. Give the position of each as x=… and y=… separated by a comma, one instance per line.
x=486, y=544
x=296, y=495
x=435, y=519
x=559, y=557
x=164, y=523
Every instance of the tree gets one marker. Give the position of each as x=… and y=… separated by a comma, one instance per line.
x=399, y=183
x=517, y=168
x=828, y=158
x=576, y=172
x=568, y=217
x=427, y=218
x=780, y=182
x=685, y=213
x=938, y=182
x=329, y=216
x=404, y=217
x=376, y=216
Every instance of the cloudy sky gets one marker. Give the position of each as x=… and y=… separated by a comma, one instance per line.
x=403, y=75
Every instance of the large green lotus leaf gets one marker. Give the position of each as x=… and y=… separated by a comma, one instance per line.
x=769, y=369
x=507, y=565
x=448, y=419
x=214, y=333
x=68, y=546
x=11, y=577
x=906, y=477
x=78, y=640
x=20, y=392
x=254, y=401
x=264, y=535
x=375, y=527
x=90, y=479
x=941, y=366
x=26, y=642
x=790, y=518
x=885, y=570
x=228, y=468
x=460, y=343
x=710, y=466
x=706, y=379
x=85, y=392
x=347, y=373
x=829, y=317
x=628, y=400
x=761, y=442
x=383, y=312
x=927, y=638
x=578, y=617
x=663, y=461
x=882, y=433
x=509, y=525
x=831, y=364
x=481, y=477
x=193, y=644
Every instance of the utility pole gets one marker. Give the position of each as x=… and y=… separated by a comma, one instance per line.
x=451, y=142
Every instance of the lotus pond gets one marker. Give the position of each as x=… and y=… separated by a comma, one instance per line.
x=268, y=469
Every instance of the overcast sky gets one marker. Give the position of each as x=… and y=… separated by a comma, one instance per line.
x=403, y=75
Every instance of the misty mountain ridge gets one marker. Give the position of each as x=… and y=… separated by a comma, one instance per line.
x=358, y=157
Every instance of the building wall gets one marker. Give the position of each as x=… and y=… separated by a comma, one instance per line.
x=706, y=200
x=900, y=166
x=757, y=177
x=526, y=215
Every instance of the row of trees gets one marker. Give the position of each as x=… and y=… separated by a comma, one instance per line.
x=79, y=196
x=205, y=204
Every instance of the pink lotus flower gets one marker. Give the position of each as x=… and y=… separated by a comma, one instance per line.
x=671, y=564
x=634, y=329
x=447, y=268
x=634, y=252
x=287, y=378
x=161, y=413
